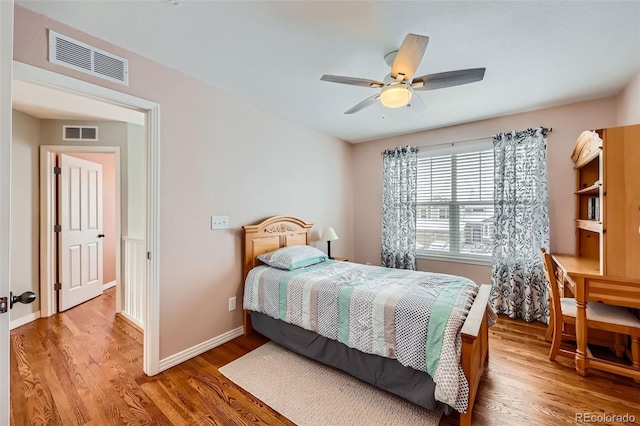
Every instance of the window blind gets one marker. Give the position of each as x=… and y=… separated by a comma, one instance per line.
x=454, y=203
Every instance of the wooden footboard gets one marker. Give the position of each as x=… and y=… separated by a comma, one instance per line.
x=475, y=347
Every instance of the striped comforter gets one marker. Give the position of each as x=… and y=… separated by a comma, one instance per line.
x=414, y=317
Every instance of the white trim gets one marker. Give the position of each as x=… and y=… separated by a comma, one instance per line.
x=151, y=362
x=455, y=148
x=47, y=215
x=107, y=286
x=6, y=55
x=25, y=72
x=24, y=320
x=35, y=75
x=134, y=268
x=200, y=348
x=459, y=259
x=47, y=236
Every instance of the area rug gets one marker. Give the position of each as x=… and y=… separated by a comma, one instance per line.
x=309, y=393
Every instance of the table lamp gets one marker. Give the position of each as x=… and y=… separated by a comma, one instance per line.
x=328, y=235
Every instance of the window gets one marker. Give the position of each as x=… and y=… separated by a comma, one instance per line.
x=455, y=201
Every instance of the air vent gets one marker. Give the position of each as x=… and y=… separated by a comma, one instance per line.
x=79, y=133
x=79, y=56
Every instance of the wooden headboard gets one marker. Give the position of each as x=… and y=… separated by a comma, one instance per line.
x=269, y=235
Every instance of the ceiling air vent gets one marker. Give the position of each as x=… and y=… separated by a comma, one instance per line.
x=79, y=56
x=79, y=133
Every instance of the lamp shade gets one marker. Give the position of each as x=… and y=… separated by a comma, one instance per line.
x=328, y=234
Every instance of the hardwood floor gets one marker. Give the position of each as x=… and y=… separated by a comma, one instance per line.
x=84, y=367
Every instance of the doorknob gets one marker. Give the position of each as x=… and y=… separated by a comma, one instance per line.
x=26, y=298
x=100, y=235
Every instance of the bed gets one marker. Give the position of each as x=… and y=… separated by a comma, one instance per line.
x=389, y=369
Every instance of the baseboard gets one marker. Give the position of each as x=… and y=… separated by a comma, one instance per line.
x=24, y=320
x=131, y=320
x=200, y=348
x=107, y=286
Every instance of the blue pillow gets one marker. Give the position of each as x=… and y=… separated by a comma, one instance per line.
x=293, y=257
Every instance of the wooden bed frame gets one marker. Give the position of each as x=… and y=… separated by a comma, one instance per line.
x=282, y=231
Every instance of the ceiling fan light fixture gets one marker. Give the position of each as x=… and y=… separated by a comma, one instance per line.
x=395, y=95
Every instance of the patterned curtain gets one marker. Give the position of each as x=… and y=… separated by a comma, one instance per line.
x=400, y=173
x=521, y=225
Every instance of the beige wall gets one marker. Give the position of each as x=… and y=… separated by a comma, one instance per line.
x=567, y=123
x=108, y=162
x=219, y=155
x=25, y=225
x=629, y=103
x=136, y=174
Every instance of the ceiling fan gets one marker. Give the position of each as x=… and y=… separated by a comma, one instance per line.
x=397, y=88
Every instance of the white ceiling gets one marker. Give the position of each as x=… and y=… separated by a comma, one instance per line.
x=537, y=54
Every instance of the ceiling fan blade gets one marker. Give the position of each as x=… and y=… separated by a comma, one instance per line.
x=362, y=105
x=351, y=80
x=447, y=79
x=409, y=56
x=422, y=106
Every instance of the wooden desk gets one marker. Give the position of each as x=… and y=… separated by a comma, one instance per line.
x=578, y=265
x=583, y=277
x=573, y=266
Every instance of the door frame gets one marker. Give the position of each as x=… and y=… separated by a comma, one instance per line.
x=48, y=208
x=6, y=56
x=32, y=74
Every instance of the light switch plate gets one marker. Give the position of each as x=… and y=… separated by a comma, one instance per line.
x=219, y=222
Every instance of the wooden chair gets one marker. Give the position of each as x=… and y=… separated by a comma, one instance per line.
x=600, y=316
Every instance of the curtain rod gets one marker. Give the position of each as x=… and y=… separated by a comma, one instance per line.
x=544, y=129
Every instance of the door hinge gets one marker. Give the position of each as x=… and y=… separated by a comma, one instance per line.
x=57, y=286
x=57, y=171
x=3, y=305
x=149, y=255
x=57, y=228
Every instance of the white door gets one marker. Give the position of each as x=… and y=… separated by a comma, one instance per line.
x=6, y=57
x=80, y=243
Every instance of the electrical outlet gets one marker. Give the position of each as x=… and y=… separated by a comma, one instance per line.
x=232, y=304
x=219, y=222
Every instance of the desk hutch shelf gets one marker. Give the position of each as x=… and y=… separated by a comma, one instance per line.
x=607, y=221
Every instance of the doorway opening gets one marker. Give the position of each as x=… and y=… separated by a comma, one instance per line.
x=148, y=256
x=121, y=238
